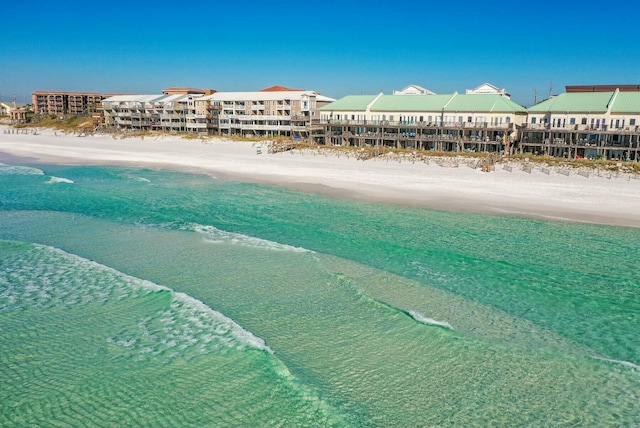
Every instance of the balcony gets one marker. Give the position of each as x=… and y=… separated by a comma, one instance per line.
x=196, y=126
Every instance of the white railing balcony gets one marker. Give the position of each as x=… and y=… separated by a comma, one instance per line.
x=540, y=126
x=197, y=125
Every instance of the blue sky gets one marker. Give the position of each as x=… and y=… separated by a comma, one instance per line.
x=336, y=48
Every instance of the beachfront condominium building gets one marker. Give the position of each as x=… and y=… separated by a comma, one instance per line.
x=449, y=122
x=61, y=103
x=273, y=111
x=143, y=113
x=601, y=121
x=268, y=112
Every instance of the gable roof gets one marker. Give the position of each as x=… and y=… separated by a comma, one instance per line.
x=575, y=102
x=491, y=103
x=350, y=103
x=626, y=102
x=410, y=103
x=264, y=96
x=485, y=85
x=413, y=90
x=278, y=88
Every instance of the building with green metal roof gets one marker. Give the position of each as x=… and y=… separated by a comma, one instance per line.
x=590, y=124
x=583, y=122
x=350, y=103
x=432, y=108
x=429, y=121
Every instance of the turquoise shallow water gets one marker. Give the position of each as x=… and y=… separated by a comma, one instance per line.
x=136, y=297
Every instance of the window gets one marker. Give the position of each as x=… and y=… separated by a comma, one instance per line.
x=469, y=119
x=584, y=121
x=572, y=121
x=533, y=120
x=632, y=122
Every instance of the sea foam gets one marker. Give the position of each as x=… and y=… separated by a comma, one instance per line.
x=429, y=321
x=620, y=362
x=19, y=170
x=53, y=180
x=43, y=277
x=217, y=236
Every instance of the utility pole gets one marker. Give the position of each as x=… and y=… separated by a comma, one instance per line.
x=550, y=88
x=535, y=95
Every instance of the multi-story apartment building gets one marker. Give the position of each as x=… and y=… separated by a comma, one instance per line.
x=166, y=113
x=60, y=103
x=450, y=122
x=586, y=121
x=275, y=111
x=271, y=111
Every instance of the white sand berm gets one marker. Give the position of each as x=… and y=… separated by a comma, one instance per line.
x=605, y=198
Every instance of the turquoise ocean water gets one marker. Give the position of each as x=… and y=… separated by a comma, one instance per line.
x=139, y=297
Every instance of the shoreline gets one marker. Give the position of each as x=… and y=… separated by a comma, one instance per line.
x=552, y=195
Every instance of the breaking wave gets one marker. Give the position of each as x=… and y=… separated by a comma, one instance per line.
x=217, y=236
x=620, y=362
x=53, y=180
x=43, y=277
x=428, y=321
x=19, y=170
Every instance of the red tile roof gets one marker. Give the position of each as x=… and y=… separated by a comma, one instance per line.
x=278, y=88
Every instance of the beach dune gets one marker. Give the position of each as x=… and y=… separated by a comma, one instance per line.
x=606, y=198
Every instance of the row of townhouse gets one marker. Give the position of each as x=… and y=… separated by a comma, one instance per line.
x=600, y=123
x=271, y=111
x=586, y=121
x=480, y=119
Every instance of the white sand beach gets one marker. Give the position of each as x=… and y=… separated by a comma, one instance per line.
x=543, y=192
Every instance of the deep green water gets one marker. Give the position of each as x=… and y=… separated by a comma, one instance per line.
x=136, y=297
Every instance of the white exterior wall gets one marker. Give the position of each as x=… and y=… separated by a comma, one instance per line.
x=432, y=118
x=5, y=108
x=584, y=121
x=263, y=112
x=625, y=121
